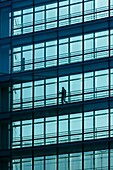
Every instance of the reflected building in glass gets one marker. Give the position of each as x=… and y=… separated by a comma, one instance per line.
x=46, y=45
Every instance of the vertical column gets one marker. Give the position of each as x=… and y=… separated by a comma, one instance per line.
x=5, y=25
x=4, y=164
x=4, y=59
x=4, y=134
x=4, y=140
x=4, y=137
x=4, y=99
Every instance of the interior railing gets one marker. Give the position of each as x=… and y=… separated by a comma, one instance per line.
x=66, y=58
x=97, y=13
x=65, y=136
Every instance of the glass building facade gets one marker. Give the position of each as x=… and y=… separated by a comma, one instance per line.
x=46, y=45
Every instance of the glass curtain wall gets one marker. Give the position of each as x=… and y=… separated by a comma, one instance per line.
x=97, y=159
x=70, y=128
x=44, y=92
x=70, y=12
x=70, y=51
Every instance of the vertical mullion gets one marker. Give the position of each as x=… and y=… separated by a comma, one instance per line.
x=22, y=58
x=20, y=134
x=44, y=92
x=45, y=57
x=69, y=53
x=11, y=54
x=33, y=95
x=11, y=137
x=33, y=140
x=109, y=81
x=69, y=61
x=45, y=16
x=44, y=131
x=21, y=101
x=69, y=15
x=69, y=140
x=83, y=88
x=44, y=141
x=20, y=163
x=68, y=99
x=22, y=22
x=94, y=138
x=94, y=8
x=20, y=143
x=11, y=94
x=57, y=158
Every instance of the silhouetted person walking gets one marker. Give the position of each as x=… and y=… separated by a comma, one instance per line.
x=23, y=64
x=63, y=95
